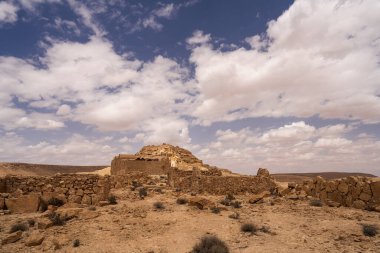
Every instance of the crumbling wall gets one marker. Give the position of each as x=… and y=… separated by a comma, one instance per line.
x=82, y=189
x=225, y=184
x=358, y=192
x=121, y=166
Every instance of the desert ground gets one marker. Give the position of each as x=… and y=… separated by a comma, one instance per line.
x=136, y=225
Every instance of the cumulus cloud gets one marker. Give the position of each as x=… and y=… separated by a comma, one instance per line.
x=8, y=12
x=318, y=58
x=294, y=147
x=75, y=150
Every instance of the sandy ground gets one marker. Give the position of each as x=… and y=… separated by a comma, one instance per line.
x=133, y=225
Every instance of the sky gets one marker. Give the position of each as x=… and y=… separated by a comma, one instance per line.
x=292, y=86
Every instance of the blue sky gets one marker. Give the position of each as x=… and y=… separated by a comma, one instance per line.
x=293, y=86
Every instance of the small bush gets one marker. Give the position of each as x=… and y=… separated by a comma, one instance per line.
x=76, y=243
x=142, y=192
x=236, y=204
x=92, y=208
x=370, y=230
x=159, y=205
x=31, y=222
x=248, y=228
x=225, y=202
x=316, y=202
x=112, y=200
x=230, y=196
x=43, y=206
x=370, y=208
x=57, y=219
x=235, y=216
x=210, y=244
x=181, y=201
x=18, y=227
x=55, y=202
x=215, y=210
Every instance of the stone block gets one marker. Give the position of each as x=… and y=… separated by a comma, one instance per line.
x=23, y=204
x=14, y=237
x=365, y=196
x=2, y=203
x=343, y=187
x=35, y=239
x=359, y=204
x=375, y=187
x=86, y=200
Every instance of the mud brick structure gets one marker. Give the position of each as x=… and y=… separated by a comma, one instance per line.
x=124, y=164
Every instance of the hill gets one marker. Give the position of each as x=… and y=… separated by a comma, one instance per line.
x=298, y=177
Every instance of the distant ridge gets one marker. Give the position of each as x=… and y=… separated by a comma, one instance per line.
x=30, y=169
x=297, y=177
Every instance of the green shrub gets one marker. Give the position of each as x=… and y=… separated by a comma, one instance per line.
x=182, y=201
x=143, y=192
x=236, y=204
x=210, y=244
x=57, y=219
x=55, y=202
x=112, y=200
x=215, y=210
x=225, y=202
x=159, y=205
x=248, y=228
x=18, y=227
x=76, y=243
x=370, y=230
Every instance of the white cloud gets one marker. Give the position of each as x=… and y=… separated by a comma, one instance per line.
x=165, y=11
x=8, y=12
x=318, y=58
x=75, y=150
x=198, y=37
x=294, y=147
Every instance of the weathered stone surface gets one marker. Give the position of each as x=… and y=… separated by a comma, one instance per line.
x=14, y=237
x=365, y=196
x=331, y=203
x=359, y=204
x=262, y=172
x=201, y=203
x=34, y=239
x=86, y=200
x=69, y=212
x=343, y=187
x=292, y=185
x=331, y=186
x=44, y=223
x=75, y=199
x=89, y=215
x=23, y=204
x=258, y=197
x=375, y=188
x=2, y=203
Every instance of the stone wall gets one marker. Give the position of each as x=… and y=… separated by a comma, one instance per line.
x=358, y=192
x=120, y=166
x=221, y=185
x=81, y=189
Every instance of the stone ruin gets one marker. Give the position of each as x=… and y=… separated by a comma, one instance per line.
x=124, y=164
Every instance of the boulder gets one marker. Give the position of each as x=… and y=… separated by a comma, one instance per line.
x=35, y=238
x=262, y=172
x=44, y=223
x=359, y=204
x=365, y=196
x=343, y=187
x=14, y=237
x=201, y=203
x=23, y=204
x=258, y=198
x=331, y=203
x=292, y=185
x=75, y=199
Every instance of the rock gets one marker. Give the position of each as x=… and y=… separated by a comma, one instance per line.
x=103, y=203
x=79, y=192
x=330, y=186
x=35, y=238
x=44, y=223
x=69, y=212
x=375, y=187
x=23, y=204
x=343, y=187
x=14, y=237
x=359, y=204
x=262, y=172
x=86, y=200
x=293, y=197
x=88, y=215
x=201, y=203
x=292, y=185
x=255, y=199
x=75, y=199
x=2, y=203
x=48, y=195
x=365, y=196
x=331, y=203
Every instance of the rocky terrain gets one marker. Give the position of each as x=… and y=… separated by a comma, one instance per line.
x=141, y=225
